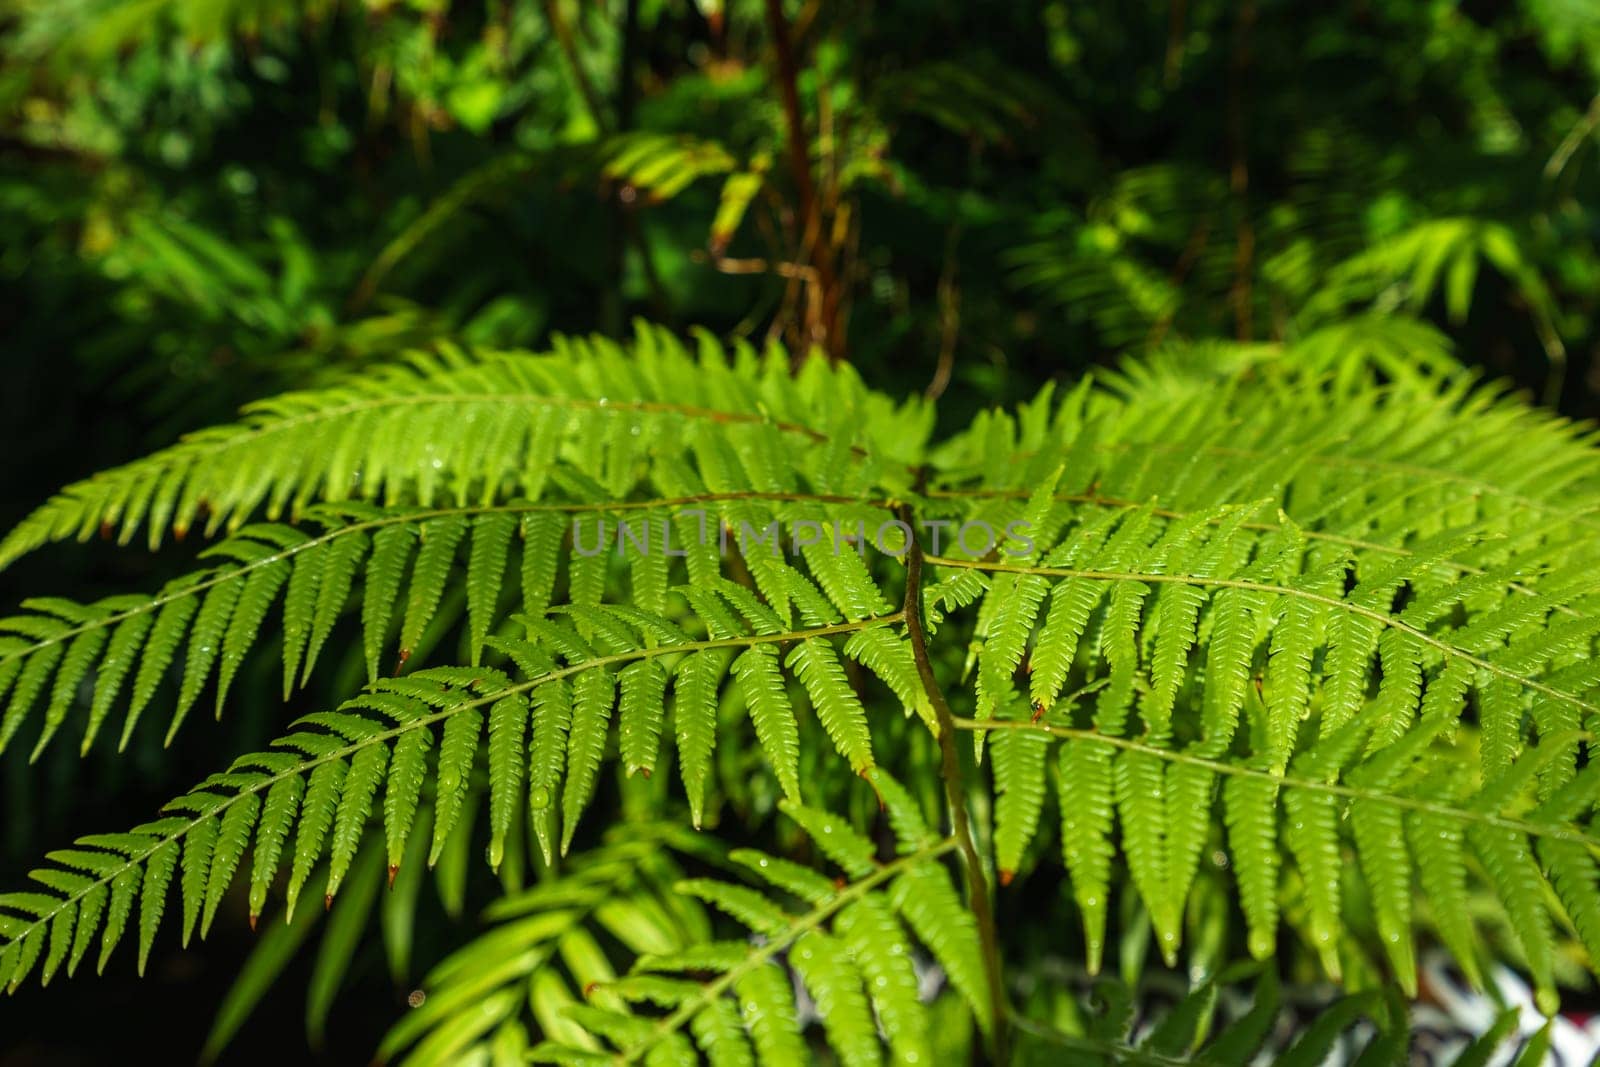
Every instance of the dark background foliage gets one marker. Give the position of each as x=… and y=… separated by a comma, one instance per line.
x=205, y=203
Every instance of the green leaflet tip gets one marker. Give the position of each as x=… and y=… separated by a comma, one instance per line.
x=1262, y=944
x=1548, y=1001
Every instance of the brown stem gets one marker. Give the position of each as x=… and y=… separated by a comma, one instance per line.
x=1239, y=173
x=1175, y=20
x=823, y=320
x=954, y=789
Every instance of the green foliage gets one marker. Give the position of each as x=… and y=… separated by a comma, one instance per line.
x=1333, y=635
x=1272, y=624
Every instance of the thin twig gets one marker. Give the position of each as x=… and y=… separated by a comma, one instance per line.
x=1575, y=137
x=755, y=265
x=949, y=314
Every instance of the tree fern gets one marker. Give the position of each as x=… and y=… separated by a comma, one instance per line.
x=1316, y=643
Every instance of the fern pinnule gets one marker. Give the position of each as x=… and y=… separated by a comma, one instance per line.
x=1019, y=762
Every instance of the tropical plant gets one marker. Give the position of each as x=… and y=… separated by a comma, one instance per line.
x=1283, y=657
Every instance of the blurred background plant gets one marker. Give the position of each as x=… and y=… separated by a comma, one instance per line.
x=206, y=201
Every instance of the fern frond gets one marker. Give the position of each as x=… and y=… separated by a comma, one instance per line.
x=382, y=739
x=1385, y=812
x=422, y=435
x=859, y=969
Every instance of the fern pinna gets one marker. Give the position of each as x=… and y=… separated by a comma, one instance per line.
x=1287, y=661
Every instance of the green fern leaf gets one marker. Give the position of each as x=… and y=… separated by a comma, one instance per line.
x=1085, y=787
x=259, y=592
x=1251, y=805
x=407, y=768
x=439, y=539
x=355, y=804
x=816, y=664
x=641, y=710
x=300, y=608
x=541, y=544
x=278, y=812
x=233, y=835
x=1177, y=611
x=1189, y=797
x=694, y=716
x=1311, y=835
x=75, y=664
x=333, y=589
x=766, y=1002
x=869, y=930
x=457, y=750
x=830, y=976
x=121, y=654
x=317, y=812
x=31, y=673
x=761, y=684
x=1019, y=757
x=742, y=903
x=1386, y=865
x=837, y=839
x=197, y=846
x=89, y=908
x=927, y=900
x=719, y=1033
x=1515, y=877
x=1006, y=638
x=159, y=650
x=124, y=890
x=205, y=642
x=391, y=551
x=1288, y=682
x=1228, y=666
x=1572, y=873
x=552, y=720
x=486, y=567
x=508, y=719
x=593, y=695
x=792, y=878
x=158, y=870
x=889, y=657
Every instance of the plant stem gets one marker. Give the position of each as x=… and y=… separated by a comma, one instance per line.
x=955, y=789
x=823, y=329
